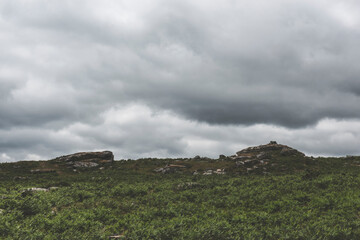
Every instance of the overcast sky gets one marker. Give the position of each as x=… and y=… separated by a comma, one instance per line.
x=171, y=78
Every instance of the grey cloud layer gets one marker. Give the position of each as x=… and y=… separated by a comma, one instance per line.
x=287, y=63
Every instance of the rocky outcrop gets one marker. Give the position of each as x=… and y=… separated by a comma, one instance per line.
x=105, y=156
x=265, y=151
x=86, y=159
x=259, y=157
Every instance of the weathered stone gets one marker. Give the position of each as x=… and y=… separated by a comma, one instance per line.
x=117, y=237
x=106, y=156
x=82, y=164
x=239, y=163
x=34, y=189
x=220, y=171
x=208, y=172
x=158, y=170
x=264, y=151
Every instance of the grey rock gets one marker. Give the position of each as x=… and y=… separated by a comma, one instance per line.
x=158, y=170
x=265, y=151
x=34, y=189
x=85, y=164
x=220, y=171
x=105, y=156
x=239, y=163
x=117, y=237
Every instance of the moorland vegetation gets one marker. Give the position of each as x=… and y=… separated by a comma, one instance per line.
x=264, y=192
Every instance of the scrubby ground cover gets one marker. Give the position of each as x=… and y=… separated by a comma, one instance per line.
x=295, y=199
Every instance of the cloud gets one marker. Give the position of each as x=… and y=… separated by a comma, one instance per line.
x=5, y=158
x=136, y=131
x=224, y=64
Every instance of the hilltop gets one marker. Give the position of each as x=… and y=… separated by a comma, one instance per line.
x=270, y=191
x=263, y=159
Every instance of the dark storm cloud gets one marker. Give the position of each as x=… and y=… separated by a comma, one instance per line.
x=239, y=63
x=204, y=62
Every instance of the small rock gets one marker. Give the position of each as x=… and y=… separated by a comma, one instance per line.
x=117, y=237
x=220, y=171
x=38, y=189
x=208, y=172
x=239, y=163
x=158, y=170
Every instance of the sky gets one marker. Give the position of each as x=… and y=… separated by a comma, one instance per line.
x=160, y=78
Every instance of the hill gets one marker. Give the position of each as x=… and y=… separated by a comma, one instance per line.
x=269, y=191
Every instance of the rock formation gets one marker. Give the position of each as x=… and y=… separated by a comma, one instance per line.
x=88, y=156
x=87, y=159
x=261, y=157
x=265, y=151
